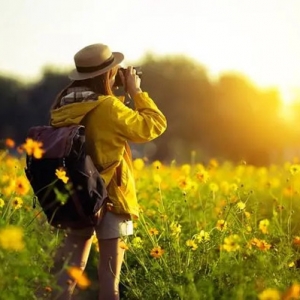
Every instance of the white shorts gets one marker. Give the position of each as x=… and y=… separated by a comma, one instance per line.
x=111, y=226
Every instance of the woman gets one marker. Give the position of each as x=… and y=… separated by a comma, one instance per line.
x=109, y=125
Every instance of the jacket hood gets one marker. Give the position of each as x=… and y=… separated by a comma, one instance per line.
x=73, y=113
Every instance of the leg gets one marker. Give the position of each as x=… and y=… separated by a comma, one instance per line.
x=74, y=252
x=110, y=263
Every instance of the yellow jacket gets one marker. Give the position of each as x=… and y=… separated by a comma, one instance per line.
x=109, y=125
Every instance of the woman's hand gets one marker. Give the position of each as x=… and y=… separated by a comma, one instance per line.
x=131, y=81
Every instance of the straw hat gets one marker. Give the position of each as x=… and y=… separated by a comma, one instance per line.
x=94, y=60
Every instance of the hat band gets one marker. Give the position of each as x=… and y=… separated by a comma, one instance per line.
x=95, y=68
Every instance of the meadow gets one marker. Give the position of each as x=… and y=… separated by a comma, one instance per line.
x=206, y=231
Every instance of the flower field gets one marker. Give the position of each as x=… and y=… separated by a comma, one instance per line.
x=206, y=231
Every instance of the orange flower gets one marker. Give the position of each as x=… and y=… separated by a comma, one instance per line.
x=293, y=292
x=296, y=241
x=10, y=143
x=123, y=245
x=33, y=148
x=22, y=186
x=157, y=252
x=153, y=231
x=77, y=274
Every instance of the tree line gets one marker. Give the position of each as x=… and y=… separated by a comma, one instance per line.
x=228, y=118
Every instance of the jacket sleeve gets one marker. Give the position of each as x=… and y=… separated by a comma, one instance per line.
x=143, y=124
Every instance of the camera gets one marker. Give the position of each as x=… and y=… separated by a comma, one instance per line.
x=118, y=81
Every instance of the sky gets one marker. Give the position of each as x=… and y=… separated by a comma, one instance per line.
x=257, y=38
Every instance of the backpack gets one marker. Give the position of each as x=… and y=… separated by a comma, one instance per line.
x=81, y=201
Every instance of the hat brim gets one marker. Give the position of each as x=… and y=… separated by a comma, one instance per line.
x=75, y=75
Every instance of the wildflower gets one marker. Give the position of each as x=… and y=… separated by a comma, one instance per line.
x=17, y=202
x=157, y=164
x=233, y=187
x=263, y=226
x=157, y=178
x=185, y=168
x=153, y=231
x=10, y=143
x=221, y=225
x=138, y=164
x=191, y=244
x=22, y=185
x=269, y=294
x=33, y=148
x=202, y=176
x=241, y=205
x=293, y=292
x=123, y=245
x=213, y=163
x=62, y=175
x=157, y=252
x=247, y=214
x=213, y=187
x=11, y=238
x=291, y=265
x=1, y=202
x=137, y=242
x=231, y=243
x=260, y=244
x=184, y=182
x=175, y=228
x=77, y=274
x=296, y=241
x=203, y=236
x=294, y=169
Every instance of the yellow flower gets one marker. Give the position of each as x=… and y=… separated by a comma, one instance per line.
x=203, y=236
x=22, y=186
x=231, y=243
x=191, y=244
x=17, y=202
x=11, y=238
x=138, y=164
x=137, y=242
x=175, y=228
x=213, y=163
x=184, y=182
x=33, y=148
x=241, y=205
x=157, y=164
x=1, y=202
x=157, y=252
x=294, y=169
x=78, y=275
x=263, y=226
x=202, y=176
x=269, y=294
x=153, y=231
x=62, y=175
x=213, y=187
x=185, y=168
x=157, y=178
x=221, y=225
